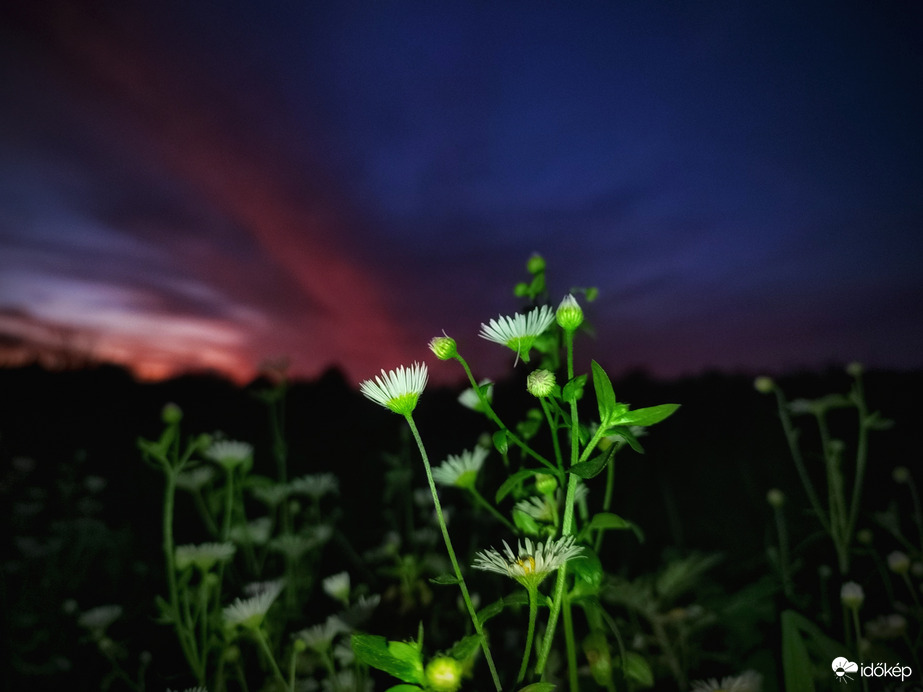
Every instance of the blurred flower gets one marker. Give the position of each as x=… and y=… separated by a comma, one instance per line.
x=256, y=532
x=229, y=454
x=470, y=399
x=397, y=390
x=320, y=637
x=852, y=595
x=271, y=495
x=337, y=587
x=460, y=470
x=886, y=627
x=775, y=498
x=97, y=620
x=249, y=613
x=750, y=681
x=518, y=332
x=900, y=474
x=529, y=566
x=315, y=485
x=443, y=674
x=196, y=478
x=764, y=385
x=204, y=556
x=898, y=562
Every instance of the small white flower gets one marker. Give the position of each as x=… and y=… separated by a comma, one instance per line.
x=250, y=612
x=293, y=545
x=540, y=508
x=315, y=485
x=98, y=619
x=460, y=470
x=204, y=556
x=531, y=565
x=337, y=586
x=898, y=562
x=256, y=532
x=320, y=637
x=518, y=332
x=470, y=399
x=271, y=495
x=397, y=390
x=852, y=595
x=750, y=681
x=229, y=453
x=195, y=479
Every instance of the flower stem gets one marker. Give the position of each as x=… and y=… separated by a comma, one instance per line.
x=448, y=545
x=480, y=501
x=533, y=613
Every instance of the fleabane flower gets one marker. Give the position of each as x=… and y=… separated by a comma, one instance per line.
x=530, y=565
x=460, y=470
x=750, y=681
x=397, y=390
x=250, y=612
x=203, y=556
x=519, y=332
x=337, y=586
x=444, y=347
x=229, y=453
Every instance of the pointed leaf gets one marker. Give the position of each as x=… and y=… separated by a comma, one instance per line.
x=605, y=395
x=625, y=433
x=593, y=467
x=645, y=416
x=465, y=648
x=375, y=651
x=443, y=579
x=573, y=390
x=513, y=481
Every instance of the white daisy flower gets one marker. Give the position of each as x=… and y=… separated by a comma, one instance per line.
x=320, y=637
x=195, y=479
x=315, y=485
x=750, y=681
x=98, y=619
x=531, y=565
x=250, y=612
x=337, y=587
x=397, y=390
x=540, y=508
x=204, y=556
x=460, y=470
x=518, y=332
x=256, y=532
x=229, y=453
x=470, y=399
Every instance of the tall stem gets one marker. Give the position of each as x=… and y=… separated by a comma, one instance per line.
x=451, y=551
x=533, y=612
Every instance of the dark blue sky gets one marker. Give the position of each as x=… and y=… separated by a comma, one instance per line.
x=210, y=184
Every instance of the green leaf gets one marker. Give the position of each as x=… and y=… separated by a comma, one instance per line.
x=625, y=433
x=464, y=648
x=444, y=579
x=538, y=687
x=605, y=395
x=519, y=598
x=403, y=688
x=403, y=661
x=796, y=665
x=526, y=523
x=514, y=481
x=573, y=390
x=635, y=667
x=501, y=441
x=593, y=467
x=645, y=416
x=608, y=520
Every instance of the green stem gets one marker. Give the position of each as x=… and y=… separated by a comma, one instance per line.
x=791, y=436
x=448, y=545
x=567, y=526
x=783, y=553
x=264, y=645
x=480, y=501
x=861, y=458
x=571, y=648
x=489, y=412
x=533, y=613
x=554, y=435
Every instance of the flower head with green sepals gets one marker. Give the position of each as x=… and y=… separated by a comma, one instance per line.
x=397, y=390
x=460, y=470
x=531, y=565
x=229, y=453
x=250, y=612
x=519, y=332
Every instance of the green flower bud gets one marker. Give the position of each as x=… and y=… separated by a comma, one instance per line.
x=852, y=595
x=444, y=347
x=901, y=474
x=854, y=369
x=545, y=483
x=535, y=264
x=775, y=498
x=764, y=385
x=898, y=562
x=569, y=314
x=540, y=383
x=171, y=414
x=443, y=674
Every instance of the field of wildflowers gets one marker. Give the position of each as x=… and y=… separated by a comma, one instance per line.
x=538, y=533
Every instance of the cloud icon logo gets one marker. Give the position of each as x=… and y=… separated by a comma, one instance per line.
x=841, y=666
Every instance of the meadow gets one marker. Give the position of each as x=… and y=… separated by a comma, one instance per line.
x=551, y=530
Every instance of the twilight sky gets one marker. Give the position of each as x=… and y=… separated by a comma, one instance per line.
x=210, y=184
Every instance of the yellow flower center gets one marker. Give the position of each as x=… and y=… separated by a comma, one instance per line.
x=527, y=564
